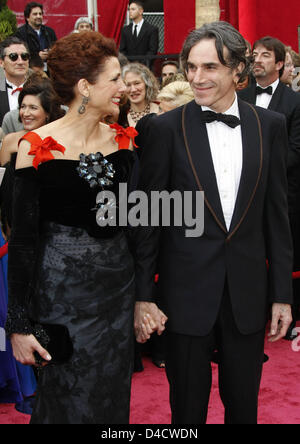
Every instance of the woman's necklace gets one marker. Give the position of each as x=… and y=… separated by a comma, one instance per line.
x=137, y=115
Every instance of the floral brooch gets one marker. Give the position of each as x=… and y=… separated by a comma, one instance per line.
x=96, y=170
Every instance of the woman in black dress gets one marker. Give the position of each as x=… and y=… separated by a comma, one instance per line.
x=71, y=282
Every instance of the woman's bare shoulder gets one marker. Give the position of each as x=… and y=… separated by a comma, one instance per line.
x=9, y=146
x=24, y=159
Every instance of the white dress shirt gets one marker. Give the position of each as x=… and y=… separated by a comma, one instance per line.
x=13, y=98
x=264, y=99
x=139, y=27
x=227, y=155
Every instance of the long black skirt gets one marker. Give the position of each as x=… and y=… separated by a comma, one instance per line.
x=87, y=285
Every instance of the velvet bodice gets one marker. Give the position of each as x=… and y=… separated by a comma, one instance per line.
x=66, y=198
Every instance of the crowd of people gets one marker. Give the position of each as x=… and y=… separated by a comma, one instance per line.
x=78, y=118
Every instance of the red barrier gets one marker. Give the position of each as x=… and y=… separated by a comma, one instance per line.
x=62, y=15
x=253, y=18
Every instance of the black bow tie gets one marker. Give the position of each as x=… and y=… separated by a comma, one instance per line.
x=210, y=116
x=9, y=86
x=260, y=90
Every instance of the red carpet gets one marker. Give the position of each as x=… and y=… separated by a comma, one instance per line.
x=279, y=396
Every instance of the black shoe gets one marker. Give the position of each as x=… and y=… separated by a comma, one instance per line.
x=215, y=358
x=291, y=334
x=160, y=363
x=138, y=364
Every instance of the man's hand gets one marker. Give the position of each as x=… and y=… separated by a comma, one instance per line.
x=44, y=55
x=147, y=319
x=281, y=320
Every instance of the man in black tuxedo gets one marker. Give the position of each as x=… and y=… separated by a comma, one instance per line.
x=216, y=290
x=14, y=62
x=140, y=37
x=269, y=92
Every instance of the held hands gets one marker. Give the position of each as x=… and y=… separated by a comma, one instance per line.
x=24, y=348
x=148, y=318
x=281, y=320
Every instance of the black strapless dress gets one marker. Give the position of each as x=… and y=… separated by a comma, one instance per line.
x=64, y=269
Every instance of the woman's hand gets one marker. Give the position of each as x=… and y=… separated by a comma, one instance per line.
x=148, y=318
x=24, y=347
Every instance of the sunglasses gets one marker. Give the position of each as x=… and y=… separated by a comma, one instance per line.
x=14, y=56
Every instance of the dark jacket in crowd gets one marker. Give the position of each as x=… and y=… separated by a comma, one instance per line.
x=145, y=44
x=28, y=35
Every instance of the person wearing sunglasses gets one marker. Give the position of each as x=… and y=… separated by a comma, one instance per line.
x=14, y=61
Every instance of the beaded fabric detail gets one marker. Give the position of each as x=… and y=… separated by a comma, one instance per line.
x=137, y=115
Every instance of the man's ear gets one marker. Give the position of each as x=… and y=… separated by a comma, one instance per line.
x=279, y=65
x=238, y=72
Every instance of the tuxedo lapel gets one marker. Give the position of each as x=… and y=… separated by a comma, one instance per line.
x=132, y=38
x=276, y=99
x=252, y=164
x=197, y=144
x=250, y=94
x=142, y=31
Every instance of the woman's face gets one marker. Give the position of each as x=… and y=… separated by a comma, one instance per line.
x=165, y=106
x=32, y=114
x=135, y=88
x=288, y=74
x=106, y=93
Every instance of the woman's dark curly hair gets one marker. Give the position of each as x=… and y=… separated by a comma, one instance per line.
x=78, y=56
x=42, y=88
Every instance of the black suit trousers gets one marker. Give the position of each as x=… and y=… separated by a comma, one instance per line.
x=188, y=366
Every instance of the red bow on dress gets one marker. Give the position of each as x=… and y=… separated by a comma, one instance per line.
x=124, y=136
x=41, y=148
x=42, y=151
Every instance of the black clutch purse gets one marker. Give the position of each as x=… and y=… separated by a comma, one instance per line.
x=55, y=338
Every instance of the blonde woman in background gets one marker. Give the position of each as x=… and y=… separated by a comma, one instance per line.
x=289, y=67
x=173, y=95
x=141, y=90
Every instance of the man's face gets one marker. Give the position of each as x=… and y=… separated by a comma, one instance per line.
x=135, y=11
x=84, y=26
x=265, y=66
x=213, y=84
x=168, y=71
x=35, y=18
x=15, y=70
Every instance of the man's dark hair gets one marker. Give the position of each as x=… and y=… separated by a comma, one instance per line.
x=29, y=7
x=170, y=62
x=225, y=35
x=137, y=2
x=275, y=45
x=11, y=40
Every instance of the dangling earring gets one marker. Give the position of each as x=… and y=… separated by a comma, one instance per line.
x=82, y=108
